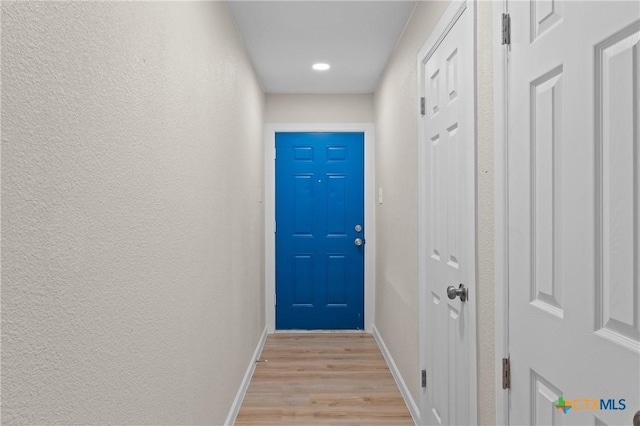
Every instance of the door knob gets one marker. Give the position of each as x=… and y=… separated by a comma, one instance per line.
x=358, y=242
x=461, y=291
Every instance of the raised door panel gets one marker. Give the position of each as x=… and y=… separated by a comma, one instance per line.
x=547, y=408
x=546, y=192
x=545, y=14
x=336, y=205
x=618, y=211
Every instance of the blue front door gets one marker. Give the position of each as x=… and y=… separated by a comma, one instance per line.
x=319, y=205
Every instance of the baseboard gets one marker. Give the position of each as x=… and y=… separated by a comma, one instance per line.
x=402, y=386
x=318, y=331
x=244, y=385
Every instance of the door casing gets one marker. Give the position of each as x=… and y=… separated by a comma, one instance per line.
x=500, y=103
x=446, y=22
x=270, y=212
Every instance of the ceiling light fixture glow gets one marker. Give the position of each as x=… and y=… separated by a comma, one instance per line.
x=321, y=67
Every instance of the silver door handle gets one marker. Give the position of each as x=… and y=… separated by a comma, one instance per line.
x=461, y=291
x=358, y=242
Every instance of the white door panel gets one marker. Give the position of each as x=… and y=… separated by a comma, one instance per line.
x=573, y=210
x=447, y=218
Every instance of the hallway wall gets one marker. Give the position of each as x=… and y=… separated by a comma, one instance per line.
x=319, y=108
x=396, y=103
x=132, y=218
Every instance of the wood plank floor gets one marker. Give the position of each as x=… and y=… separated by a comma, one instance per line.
x=322, y=378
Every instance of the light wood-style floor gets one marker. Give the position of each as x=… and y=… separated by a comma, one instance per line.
x=322, y=378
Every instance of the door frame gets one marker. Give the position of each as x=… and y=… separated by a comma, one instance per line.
x=501, y=180
x=270, y=211
x=446, y=22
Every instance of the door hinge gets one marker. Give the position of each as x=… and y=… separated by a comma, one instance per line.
x=424, y=378
x=275, y=297
x=506, y=373
x=275, y=153
x=506, y=29
x=422, y=106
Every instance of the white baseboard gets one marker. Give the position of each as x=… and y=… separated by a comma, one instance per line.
x=237, y=402
x=402, y=386
x=318, y=331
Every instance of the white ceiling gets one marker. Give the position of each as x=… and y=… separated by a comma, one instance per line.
x=284, y=38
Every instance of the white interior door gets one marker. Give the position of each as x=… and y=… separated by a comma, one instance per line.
x=448, y=221
x=573, y=212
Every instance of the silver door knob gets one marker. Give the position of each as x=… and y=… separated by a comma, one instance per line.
x=461, y=291
x=358, y=228
x=358, y=242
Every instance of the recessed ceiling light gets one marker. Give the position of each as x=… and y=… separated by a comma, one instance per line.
x=321, y=67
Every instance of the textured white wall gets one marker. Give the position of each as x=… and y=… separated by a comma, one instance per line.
x=485, y=305
x=132, y=223
x=315, y=108
x=395, y=102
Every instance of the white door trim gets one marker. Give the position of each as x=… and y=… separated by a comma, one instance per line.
x=500, y=105
x=446, y=22
x=369, y=211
